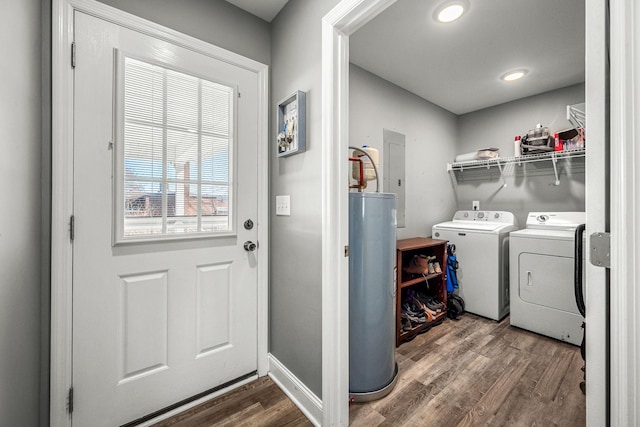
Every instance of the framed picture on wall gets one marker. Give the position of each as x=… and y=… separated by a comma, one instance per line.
x=292, y=122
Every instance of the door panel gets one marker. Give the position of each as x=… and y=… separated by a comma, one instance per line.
x=143, y=319
x=394, y=169
x=213, y=322
x=159, y=321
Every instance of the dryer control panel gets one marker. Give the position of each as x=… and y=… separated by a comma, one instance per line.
x=486, y=216
x=555, y=220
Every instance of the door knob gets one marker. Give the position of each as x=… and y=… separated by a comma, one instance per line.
x=249, y=246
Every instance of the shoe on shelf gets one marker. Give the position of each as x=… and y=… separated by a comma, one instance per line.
x=419, y=264
x=436, y=267
x=412, y=309
x=430, y=302
x=416, y=319
x=432, y=313
x=416, y=306
x=429, y=313
x=433, y=306
x=412, y=313
x=439, y=304
x=406, y=323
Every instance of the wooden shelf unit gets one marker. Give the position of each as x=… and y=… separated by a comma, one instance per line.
x=406, y=249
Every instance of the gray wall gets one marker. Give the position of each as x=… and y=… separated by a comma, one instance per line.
x=20, y=216
x=296, y=240
x=434, y=136
x=214, y=21
x=530, y=187
x=431, y=136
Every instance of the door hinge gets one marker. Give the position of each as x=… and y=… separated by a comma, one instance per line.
x=600, y=249
x=73, y=55
x=70, y=400
x=72, y=231
x=346, y=251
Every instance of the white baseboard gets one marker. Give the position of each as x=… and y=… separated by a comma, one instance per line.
x=305, y=399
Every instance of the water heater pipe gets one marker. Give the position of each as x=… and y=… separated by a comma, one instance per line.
x=375, y=169
x=361, y=182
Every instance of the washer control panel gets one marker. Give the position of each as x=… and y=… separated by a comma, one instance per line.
x=487, y=216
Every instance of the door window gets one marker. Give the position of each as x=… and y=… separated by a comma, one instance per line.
x=174, y=166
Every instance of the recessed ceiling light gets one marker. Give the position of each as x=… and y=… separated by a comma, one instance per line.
x=511, y=76
x=450, y=11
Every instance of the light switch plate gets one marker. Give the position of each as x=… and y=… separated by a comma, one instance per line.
x=475, y=205
x=283, y=205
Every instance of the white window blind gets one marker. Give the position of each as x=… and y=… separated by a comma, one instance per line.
x=178, y=146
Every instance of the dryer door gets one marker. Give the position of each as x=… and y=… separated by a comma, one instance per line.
x=547, y=280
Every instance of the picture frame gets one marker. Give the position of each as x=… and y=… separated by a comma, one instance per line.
x=292, y=121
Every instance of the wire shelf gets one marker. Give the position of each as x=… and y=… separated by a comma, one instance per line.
x=500, y=162
x=576, y=115
x=526, y=158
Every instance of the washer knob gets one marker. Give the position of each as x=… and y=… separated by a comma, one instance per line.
x=480, y=215
x=497, y=215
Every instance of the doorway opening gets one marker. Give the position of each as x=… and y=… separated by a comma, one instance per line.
x=339, y=25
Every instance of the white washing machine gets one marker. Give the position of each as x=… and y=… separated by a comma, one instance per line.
x=542, y=270
x=481, y=239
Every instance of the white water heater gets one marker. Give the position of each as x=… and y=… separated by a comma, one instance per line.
x=369, y=172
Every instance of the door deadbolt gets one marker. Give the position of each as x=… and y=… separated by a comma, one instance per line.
x=248, y=224
x=249, y=246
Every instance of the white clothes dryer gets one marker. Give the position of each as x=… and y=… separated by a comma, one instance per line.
x=482, y=250
x=541, y=278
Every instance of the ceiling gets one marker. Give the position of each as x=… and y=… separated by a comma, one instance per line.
x=457, y=65
x=265, y=9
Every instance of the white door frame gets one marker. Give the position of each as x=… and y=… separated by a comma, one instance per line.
x=337, y=26
x=625, y=212
x=596, y=192
x=62, y=182
x=342, y=21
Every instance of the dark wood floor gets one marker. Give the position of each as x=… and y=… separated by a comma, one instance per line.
x=470, y=372
x=476, y=372
x=260, y=403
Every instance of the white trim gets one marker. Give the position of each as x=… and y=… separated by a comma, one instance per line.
x=263, y=221
x=127, y=20
x=62, y=181
x=337, y=25
x=596, y=192
x=296, y=390
x=61, y=211
x=625, y=212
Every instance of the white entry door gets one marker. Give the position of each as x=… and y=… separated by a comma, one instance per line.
x=164, y=290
